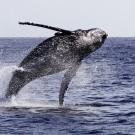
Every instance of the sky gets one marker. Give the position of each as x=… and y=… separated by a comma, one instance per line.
x=116, y=17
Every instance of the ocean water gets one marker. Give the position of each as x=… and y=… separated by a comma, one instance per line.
x=100, y=99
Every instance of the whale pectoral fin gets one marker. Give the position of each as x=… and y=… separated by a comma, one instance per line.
x=69, y=74
x=47, y=27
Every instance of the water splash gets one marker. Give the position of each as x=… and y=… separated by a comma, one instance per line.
x=23, y=102
x=5, y=76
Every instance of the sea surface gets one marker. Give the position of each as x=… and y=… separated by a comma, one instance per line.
x=100, y=99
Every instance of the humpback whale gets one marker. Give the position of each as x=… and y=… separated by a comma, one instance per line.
x=63, y=51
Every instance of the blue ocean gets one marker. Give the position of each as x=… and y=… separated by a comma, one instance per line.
x=100, y=99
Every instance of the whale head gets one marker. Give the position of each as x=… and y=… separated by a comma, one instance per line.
x=92, y=39
x=95, y=35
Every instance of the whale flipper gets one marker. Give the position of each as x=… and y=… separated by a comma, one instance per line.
x=47, y=27
x=69, y=74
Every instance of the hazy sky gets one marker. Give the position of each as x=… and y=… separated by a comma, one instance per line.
x=116, y=17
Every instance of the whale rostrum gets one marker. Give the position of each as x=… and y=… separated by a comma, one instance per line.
x=63, y=51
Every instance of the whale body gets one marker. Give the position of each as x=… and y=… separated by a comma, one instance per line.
x=63, y=51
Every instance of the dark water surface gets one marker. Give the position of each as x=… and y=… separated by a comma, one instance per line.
x=100, y=99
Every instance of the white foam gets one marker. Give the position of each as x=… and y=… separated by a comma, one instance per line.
x=20, y=68
x=15, y=102
x=5, y=76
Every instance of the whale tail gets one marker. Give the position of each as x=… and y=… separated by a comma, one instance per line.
x=18, y=80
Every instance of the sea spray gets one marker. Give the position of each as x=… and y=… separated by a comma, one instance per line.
x=5, y=76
